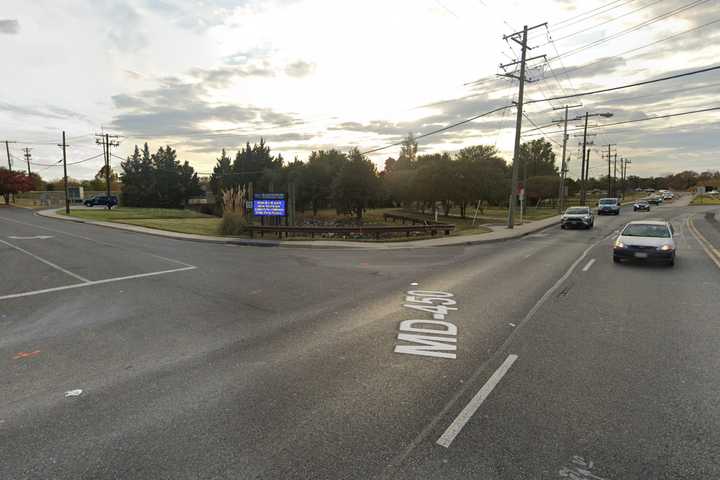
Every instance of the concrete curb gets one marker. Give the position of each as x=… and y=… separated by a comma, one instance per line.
x=534, y=227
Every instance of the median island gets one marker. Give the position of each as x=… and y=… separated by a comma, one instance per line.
x=382, y=224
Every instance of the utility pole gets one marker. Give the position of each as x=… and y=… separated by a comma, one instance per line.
x=67, y=198
x=563, y=166
x=584, y=168
x=615, y=176
x=584, y=162
x=609, y=175
x=587, y=175
x=104, y=140
x=27, y=158
x=518, y=123
x=7, y=149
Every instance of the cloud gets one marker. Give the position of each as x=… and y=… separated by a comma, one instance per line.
x=223, y=76
x=299, y=69
x=44, y=111
x=10, y=27
x=134, y=75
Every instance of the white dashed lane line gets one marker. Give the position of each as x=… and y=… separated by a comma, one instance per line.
x=588, y=265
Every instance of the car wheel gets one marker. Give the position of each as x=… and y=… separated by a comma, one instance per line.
x=616, y=259
x=562, y=227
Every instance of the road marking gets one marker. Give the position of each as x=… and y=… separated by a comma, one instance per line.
x=454, y=429
x=704, y=243
x=35, y=237
x=46, y=262
x=95, y=282
x=589, y=264
x=20, y=355
x=427, y=430
x=93, y=240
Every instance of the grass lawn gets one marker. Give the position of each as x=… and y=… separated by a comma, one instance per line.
x=705, y=200
x=188, y=221
x=198, y=226
x=124, y=213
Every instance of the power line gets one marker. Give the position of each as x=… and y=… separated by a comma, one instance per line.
x=580, y=94
x=584, y=30
x=439, y=130
x=637, y=84
x=670, y=115
x=591, y=11
x=634, y=28
x=634, y=49
x=540, y=128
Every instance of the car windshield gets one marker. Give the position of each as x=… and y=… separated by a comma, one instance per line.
x=646, y=230
x=608, y=201
x=576, y=211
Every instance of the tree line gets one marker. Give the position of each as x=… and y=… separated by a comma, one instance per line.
x=350, y=182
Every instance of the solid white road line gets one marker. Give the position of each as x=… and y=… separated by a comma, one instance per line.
x=464, y=416
x=91, y=283
x=704, y=243
x=46, y=262
x=589, y=264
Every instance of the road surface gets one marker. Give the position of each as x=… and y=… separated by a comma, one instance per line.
x=127, y=356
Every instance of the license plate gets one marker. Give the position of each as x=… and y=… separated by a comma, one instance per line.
x=640, y=255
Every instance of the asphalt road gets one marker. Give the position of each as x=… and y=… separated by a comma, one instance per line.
x=202, y=361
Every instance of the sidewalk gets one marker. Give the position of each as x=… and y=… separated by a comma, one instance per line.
x=499, y=234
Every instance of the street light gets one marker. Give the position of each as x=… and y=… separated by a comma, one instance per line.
x=585, y=168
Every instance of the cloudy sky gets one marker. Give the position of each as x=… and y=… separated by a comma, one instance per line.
x=309, y=74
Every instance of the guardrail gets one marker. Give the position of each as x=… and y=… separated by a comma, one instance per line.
x=373, y=230
x=407, y=218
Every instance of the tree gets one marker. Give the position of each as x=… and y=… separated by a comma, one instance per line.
x=12, y=182
x=408, y=152
x=538, y=158
x=435, y=179
x=321, y=169
x=541, y=187
x=356, y=185
x=158, y=180
x=482, y=176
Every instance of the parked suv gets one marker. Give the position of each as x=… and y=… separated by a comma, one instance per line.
x=104, y=200
x=610, y=206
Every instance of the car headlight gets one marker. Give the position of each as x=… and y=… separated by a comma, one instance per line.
x=619, y=244
x=666, y=248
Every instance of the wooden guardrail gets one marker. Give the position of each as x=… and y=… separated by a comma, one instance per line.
x=372, y=230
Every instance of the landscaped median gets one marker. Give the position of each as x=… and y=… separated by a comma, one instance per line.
x=706, y=200
x=192, y=226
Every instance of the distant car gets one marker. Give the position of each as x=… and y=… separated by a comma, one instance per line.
x=641, y=206
x=577, y=217
x=655, y=200
x=610, y=206
x=667, y=195
x=104, y=200
x=646, y=240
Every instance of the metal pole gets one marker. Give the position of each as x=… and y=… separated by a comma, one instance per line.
x=587, y=171
x=518, y=127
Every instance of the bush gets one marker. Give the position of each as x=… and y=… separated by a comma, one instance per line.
x=233, y=223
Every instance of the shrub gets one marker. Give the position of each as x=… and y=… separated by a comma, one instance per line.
x=233, y=223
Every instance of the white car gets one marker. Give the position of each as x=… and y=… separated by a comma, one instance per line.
x=646, y=240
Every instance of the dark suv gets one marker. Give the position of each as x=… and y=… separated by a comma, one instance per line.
x=104, y=200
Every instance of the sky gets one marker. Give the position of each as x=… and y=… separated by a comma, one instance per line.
x=203, y=75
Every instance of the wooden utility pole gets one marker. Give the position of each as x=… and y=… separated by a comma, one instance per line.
x=65, y=180
x=585, y=161
x=515, y=37
x=27, y=158
x=615, y=176
x=104, y=140
x=7, y=149
x=563, y=164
